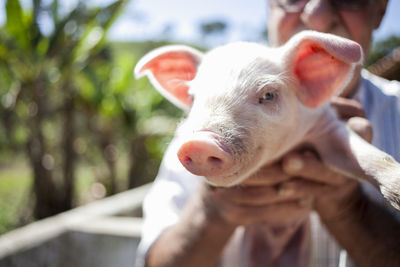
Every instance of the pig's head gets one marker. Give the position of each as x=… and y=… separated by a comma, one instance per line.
x=248, y=104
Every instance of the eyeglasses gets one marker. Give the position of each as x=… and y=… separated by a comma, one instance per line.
x=298, y=5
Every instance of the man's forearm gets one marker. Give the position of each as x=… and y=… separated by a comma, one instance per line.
x=368, y=231
x=198, y=239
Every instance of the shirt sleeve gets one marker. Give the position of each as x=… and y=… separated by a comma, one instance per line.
x=167, y=197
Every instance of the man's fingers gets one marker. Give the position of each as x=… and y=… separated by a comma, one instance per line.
x=307, y=165
x=267, y=175
x=347, y=108
x=362, y=127
x=256, y=195
x=277, y=214
x=294, y=189
x=302, y=188
x=353, y=112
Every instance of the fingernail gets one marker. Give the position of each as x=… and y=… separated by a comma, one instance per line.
x=293, y=165
x=282, y=191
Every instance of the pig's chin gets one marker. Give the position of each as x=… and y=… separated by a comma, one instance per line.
x=222, y=181
x=227, y=181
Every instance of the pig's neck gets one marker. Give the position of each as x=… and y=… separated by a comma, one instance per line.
x=319, y=123
x=310, y=125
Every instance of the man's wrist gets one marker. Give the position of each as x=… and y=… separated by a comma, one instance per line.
x=202, y=213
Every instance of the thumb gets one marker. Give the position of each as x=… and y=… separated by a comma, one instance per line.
x=308, y=166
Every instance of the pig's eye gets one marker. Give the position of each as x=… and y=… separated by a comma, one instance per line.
x=267, y=97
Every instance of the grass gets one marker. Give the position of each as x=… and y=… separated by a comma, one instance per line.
x=15, y=192
x=16, y=189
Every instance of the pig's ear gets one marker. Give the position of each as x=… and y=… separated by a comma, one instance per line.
x=323, y=65
x=169, y=69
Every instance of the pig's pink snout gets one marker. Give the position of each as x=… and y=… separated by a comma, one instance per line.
x=203, y=156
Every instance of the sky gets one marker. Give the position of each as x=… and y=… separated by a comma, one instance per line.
x=147, y=19
x=179, y=19
x=184, y=16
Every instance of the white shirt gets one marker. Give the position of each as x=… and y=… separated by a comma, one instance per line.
x=174, y=185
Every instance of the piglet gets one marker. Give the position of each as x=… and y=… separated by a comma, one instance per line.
x=249, y=104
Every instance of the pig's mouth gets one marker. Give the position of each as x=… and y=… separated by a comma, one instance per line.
x=243, y=169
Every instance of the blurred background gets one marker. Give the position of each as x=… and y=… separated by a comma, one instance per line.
x=75, y=126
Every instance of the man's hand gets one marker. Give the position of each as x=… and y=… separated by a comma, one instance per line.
x=359, y=224
x=268, y=203
x=263, y=198
x=212, y=215
x=334, y=194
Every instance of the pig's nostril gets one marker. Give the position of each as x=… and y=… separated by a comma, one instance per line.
x=203, y=156
x=187, y=159
x=215, y=161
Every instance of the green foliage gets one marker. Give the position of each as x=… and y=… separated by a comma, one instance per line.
x=214, y=27
x=68, y=98
x=14, y=195
x=382, y=48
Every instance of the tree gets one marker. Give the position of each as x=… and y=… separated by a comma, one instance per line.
x=214, y=27
x=41, y=79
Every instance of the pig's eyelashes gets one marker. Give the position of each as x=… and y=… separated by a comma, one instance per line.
x=269, y=96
